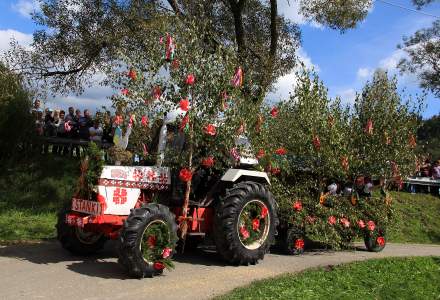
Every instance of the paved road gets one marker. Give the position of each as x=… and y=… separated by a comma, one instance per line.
x=45, y=271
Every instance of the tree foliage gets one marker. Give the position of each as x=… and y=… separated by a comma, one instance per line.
x=16, y=122
x=83, y=38
x=423, y=50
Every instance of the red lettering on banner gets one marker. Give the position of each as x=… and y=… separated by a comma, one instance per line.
x=120, y=196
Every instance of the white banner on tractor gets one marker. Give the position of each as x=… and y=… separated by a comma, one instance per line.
x=121, y=186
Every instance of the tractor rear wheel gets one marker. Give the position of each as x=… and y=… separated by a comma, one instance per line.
x=245, y=223
x=145, y=234
x=76, y=239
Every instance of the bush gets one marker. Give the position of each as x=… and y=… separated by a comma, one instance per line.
x=16, y=122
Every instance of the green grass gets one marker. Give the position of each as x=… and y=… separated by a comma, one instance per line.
x=392, y=278
x=416, y=218
x=32, y=192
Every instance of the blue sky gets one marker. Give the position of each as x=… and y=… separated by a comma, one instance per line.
x=343, y=61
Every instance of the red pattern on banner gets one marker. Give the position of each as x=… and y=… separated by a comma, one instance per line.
x=120, y=196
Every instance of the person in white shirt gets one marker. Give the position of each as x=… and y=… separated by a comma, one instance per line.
x=96, y=131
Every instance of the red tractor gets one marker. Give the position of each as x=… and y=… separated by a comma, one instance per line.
x=234, y=209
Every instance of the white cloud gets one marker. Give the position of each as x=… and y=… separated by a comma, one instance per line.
x=364, y=73
x=347, y=96
x=8, y=34
x=290, y=10
x=285, y=84
x=390, y=63
x=26, y=7
x=92, y=98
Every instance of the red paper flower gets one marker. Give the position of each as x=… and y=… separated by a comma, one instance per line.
x=264, y=212
x=394, y=168
x=237, y=80
x=297, y=205
x=344, y=163
x=412, y=141
x=330, y=121
x=310, y=219
x=166, y=252
x=125, y=92
x=332, y=220
x=316, y=142
x=345, y=222
x=235, y=154
x=151, y=241
x=281, y=151
x=299, y=244
x=369, y=127
x=190, y=79
x=380, y=241
x=256, y=224
x=144, y=121
x=274, y=112
x=208, y=162
x=185, y=121
x=275, y=171
x=157, y=92
x=210, y=130
x=158, y=266
x=371, y=226
x=118, y=120
x=132, y=74
x=361, y=224
x=185, y=175
x=261, y=153
x=175, y=64
x=184, y=104
x=244, y=232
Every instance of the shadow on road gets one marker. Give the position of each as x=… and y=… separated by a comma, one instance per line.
x=104, y=264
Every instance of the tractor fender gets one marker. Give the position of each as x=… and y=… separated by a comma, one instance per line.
x=234, y=175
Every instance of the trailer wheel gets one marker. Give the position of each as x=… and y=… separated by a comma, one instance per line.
x=375, y=243
x=136, y=253
x=293, y=242
x=77, y=240
x=245, y=223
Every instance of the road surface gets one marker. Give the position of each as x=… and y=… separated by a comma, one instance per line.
x=45, y=271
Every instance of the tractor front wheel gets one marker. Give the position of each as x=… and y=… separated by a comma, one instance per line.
x=245, y=223
x=147, y=231
x=76, y=239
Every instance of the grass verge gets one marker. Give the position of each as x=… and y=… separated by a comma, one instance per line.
x=391, y=278
x=416, y=219
x=32, y=192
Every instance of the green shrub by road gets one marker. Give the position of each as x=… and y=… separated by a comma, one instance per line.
x=391, y=278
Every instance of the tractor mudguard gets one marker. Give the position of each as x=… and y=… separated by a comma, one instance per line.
x=234, y=175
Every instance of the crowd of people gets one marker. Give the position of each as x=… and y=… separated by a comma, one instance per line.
x=429, y=169
x=74, y=124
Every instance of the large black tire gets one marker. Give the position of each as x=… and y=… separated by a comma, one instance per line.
x=77, y=240
x=226, y=222
x=372, y=245
x=130, y=240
